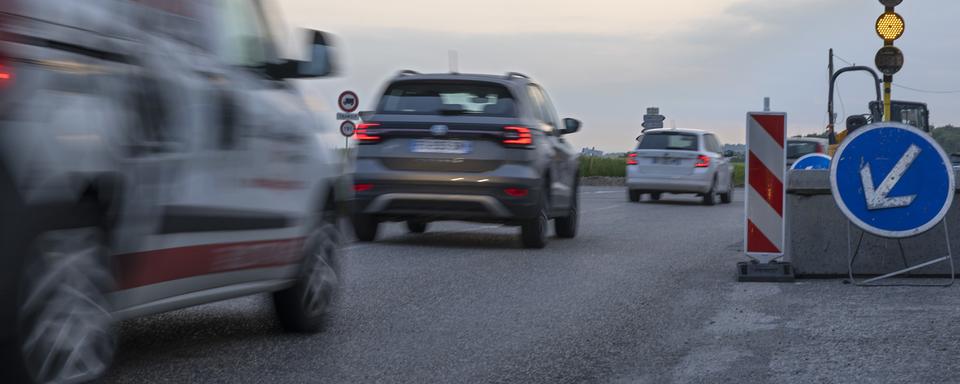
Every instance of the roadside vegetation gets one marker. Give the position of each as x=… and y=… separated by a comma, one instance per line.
x=616, y=167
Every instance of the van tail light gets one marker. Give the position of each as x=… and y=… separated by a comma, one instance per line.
x=364, y=134
x=820, y=148
x=362, y=187
x=5, y=74
x=632, y=159
x=703, y=161
x=517, y=136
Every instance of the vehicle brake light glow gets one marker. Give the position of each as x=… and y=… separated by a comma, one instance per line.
x=363, y=135
x=632, y=159
x=703, y=161
x=517, y=136
x=362, y=187
x=517, y=192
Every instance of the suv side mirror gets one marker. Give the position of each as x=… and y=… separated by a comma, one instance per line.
x=570, y=126
x=728, y=153
x=321, y=63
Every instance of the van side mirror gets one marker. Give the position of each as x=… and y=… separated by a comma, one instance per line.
x=320, y=64
x=570, y=126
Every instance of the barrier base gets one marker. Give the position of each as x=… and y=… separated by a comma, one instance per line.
x=773, y=272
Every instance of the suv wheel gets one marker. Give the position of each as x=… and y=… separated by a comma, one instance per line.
x=634, y=196
x=65, y=331
x=302, y=307
x=710, y=198
x=533, y=232
x=365, y=228
x=655, y=196
x=416, y=226
x=566, y=227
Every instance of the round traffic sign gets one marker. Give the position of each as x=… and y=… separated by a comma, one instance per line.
x=892, y=180
x=348, y=101
x=348, y=128
x=812, y=161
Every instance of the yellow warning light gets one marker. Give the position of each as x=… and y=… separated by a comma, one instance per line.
x=890, y=26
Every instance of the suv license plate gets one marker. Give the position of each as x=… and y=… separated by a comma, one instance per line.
x=458, y=147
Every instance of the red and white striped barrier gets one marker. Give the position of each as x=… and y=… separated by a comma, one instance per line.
x=766, y=192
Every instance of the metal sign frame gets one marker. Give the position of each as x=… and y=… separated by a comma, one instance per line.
x=898, y=236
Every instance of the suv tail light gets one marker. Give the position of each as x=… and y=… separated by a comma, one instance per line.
x=364, y=135
x=517, y=192
x=517, y=136
x=702, y=161
x=632, y=159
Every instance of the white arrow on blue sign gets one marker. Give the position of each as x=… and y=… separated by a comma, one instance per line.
x=892, y=180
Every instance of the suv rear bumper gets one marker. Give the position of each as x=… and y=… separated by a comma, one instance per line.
x=449, y=197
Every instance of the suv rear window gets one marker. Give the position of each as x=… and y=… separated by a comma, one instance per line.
x=447, y=98
x=669, y=140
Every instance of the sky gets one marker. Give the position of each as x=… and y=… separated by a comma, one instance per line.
x=705, y=63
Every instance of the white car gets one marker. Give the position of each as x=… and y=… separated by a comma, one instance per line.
x=154, y=155
x=681, y=161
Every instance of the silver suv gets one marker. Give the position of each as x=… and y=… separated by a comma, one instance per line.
x=466, y=147
x=679, y=161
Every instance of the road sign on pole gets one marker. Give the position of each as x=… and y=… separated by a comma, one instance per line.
x=653, y=119
x=348, y=128
x=348, y=101
x=892, y=180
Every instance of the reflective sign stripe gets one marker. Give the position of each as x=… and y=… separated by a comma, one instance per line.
x=766, y=192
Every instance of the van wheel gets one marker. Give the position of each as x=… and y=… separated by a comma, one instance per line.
x=365, y=227
x=65, y=330
x=303, y=307
x=533, y=232
x=634, y=196
x=710, y=198
x=416, y=226
x=566, y=227
x=655, y=196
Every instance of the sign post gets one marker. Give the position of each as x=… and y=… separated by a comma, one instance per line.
x=893, y=181
x=889, y=60
x=765, y=234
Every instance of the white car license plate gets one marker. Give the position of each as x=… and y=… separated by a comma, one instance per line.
x=666, y=161
x=458, y=147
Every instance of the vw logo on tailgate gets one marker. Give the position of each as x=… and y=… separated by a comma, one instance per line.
x=439, y=130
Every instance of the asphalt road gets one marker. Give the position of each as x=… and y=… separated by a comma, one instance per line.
x=645, y=294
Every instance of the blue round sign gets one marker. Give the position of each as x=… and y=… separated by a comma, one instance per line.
x=812, y=161
x=892, y=180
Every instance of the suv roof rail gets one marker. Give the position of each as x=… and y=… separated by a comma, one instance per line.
x=511, y=75
x=407, y=72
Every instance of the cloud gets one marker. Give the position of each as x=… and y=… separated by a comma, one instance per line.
x=705, y=63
